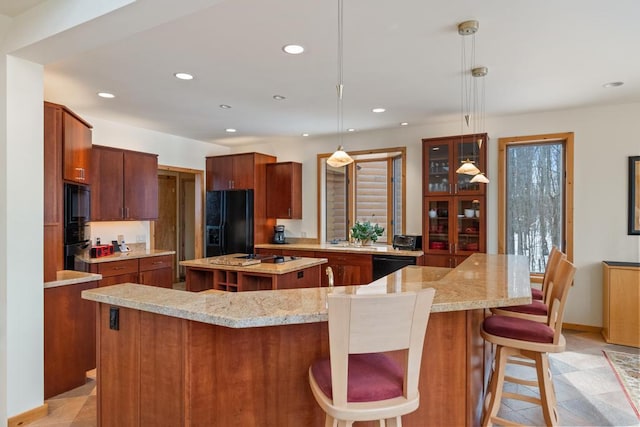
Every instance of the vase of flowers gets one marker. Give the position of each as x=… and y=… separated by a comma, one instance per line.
x=364, y=233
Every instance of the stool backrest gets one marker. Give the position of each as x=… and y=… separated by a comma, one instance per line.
x=552, y=264
x=376, y=324
x=559, y=286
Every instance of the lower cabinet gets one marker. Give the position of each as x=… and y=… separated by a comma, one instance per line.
x=69, y=337
x=152, y=271
x=621, y=302
x=348, y=269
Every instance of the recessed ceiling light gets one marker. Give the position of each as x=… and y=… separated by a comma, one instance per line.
x=404, y=124
x=613, y=84
x=293, y=49
x=378, y=110
x=106, y=95
x=305, y=134
x=279, y=97
x=225, y=106
x=230, y=130
x=351, y=130
x=184, y=76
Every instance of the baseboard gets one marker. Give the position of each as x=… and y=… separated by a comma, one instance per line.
x=581, y=328
x=29, y=416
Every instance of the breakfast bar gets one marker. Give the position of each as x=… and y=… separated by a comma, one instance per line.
x=169, y=357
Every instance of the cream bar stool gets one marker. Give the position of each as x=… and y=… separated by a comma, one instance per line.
x=537, y=310
x=532, y=341
x=358, y=382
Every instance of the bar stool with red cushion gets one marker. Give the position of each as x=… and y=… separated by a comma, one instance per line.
x=532, y=342
x=358, y=382
x=537, y=310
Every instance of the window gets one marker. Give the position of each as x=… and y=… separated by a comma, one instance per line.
x=536, y=197
x=369, y=189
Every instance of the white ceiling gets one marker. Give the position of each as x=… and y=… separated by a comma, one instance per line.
x=402, y=55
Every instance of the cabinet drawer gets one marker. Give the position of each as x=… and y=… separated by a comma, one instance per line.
x=118, y=267
x=156, y=262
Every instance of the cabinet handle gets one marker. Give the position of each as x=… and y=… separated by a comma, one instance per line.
x=122, y=212
x=127, y=212
x=79, y=173
x=289, y=212
x=118, y=268
x=455, y=189
x=156, y=262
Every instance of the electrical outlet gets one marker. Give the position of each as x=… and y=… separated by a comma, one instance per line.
x=141, y=238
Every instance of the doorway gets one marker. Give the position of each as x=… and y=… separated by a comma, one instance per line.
x=180, y=212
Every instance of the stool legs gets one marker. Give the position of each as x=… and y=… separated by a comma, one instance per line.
x=547, y=399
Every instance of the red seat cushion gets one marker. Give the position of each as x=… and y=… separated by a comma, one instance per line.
x=518, y=329
x=536, y=294
x=536, y=307
x=372, y=377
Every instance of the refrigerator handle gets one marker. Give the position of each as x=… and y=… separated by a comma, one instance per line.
x=223, y=250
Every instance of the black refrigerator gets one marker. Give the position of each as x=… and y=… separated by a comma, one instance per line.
x=229, y=224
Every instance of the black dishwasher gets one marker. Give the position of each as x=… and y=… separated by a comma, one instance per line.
x=383, y=265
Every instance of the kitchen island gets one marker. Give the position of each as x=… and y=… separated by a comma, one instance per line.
x=168, y=357
x=249, y=272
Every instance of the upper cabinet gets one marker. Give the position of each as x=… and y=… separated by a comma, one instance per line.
x=76, y=134
x=284, y=190
x=233, y=172
x=125, y=185
x=441, y=158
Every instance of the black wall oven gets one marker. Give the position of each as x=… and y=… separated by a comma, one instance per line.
x=77, y=214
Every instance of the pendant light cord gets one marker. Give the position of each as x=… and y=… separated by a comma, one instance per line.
x=340, y=86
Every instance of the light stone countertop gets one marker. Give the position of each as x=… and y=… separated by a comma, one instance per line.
x=70, y=277
x=121, y=256
x=481, y=281
x=263, y=268
x=342, y=247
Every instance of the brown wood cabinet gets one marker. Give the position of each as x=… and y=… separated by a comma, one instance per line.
x=125, y=185
x=621, y=303
x=246, y=171
x=284, y=190
x=453, y=213
x=348, y=269
x=152, y=271
x=76, y=134
x=69, y=338
x=53, y=192
x=156, y=271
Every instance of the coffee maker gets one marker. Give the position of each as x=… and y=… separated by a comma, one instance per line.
x=278, y=235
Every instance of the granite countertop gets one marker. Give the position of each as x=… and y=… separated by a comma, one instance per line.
x=481, y=281
x=342, y=247
x=70, y=277
x=120, y=256
x=224, y=263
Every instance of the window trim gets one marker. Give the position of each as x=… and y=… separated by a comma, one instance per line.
x=567, y=139
x=322, y=157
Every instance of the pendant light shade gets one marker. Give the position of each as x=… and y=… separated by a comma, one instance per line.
x=481, y=178
x=468, y=168
x=339, y=158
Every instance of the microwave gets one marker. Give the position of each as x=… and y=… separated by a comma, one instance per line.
x=407, y=243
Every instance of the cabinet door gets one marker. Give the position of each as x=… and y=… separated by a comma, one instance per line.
x=348, y=269
x=437, y=167
x=438, y=233
x=53, y=197
x=219, y=173
x=284, y=190
x=162, y=278
x=469, y=226
x=140, y=186
x=106, y=190
x=77, y=149
x=243, y=172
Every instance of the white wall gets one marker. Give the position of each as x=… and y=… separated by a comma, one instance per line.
x=604, y=139
x=21, y=275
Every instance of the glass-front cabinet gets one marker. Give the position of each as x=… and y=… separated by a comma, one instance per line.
x=454, y=217
x=443, y=156
x=454, y=228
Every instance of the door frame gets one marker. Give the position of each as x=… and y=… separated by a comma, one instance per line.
x=198, y=208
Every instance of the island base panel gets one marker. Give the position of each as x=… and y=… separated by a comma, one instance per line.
x=195, y=374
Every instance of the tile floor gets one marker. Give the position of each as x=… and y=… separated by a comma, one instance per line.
x=587, y=390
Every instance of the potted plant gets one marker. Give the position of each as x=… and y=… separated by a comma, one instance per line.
x=366, y=232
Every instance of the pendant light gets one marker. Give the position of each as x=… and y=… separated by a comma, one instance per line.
x=340, y=157
x=470, y=112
